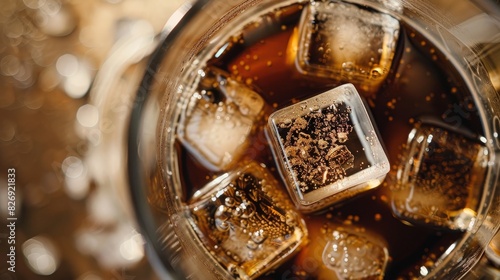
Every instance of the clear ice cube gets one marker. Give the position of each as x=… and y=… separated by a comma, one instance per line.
x=246, y=221
x=346, y=43
x=326, y=148
x=440, y=178
x=341, y=249
x=218, y=119
x=355, y=255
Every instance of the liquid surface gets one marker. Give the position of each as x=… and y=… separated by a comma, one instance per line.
x=420, y=84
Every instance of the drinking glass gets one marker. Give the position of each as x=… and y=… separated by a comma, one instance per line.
x=467, y=32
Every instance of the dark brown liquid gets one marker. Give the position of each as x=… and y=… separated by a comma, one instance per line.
x=421, y=84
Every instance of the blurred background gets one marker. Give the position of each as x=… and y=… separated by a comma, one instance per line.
x=68, y=71
x=72, y=223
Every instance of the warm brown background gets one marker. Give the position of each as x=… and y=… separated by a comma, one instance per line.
x=41, y=137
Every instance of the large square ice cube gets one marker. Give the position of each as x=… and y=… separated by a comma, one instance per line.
x=327, y=148
x=347, y=43
x=439, y=179
x=246, y=221
x=218, y=119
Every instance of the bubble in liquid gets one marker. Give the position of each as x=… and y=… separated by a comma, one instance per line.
x=348, y=66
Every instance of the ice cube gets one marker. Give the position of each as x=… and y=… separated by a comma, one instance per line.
x=340, y=249
x=246, y=221
x=326, y=148
x=218, y=119
x=347, y=43
x=440, y=178
x=355, y=254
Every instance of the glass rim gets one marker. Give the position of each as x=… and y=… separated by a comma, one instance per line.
x=136, y=179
